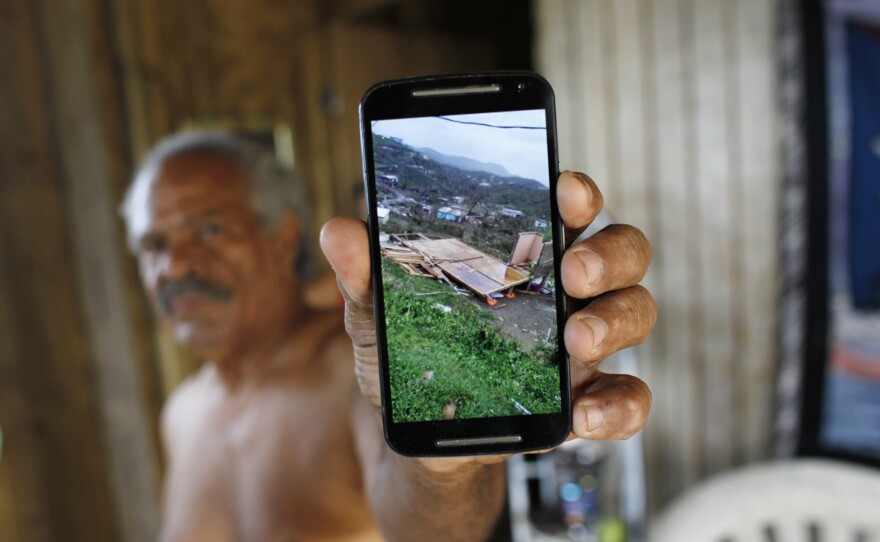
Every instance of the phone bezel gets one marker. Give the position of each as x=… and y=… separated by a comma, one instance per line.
x=393, y=100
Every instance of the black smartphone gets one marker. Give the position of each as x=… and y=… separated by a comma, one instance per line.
x=465, y=244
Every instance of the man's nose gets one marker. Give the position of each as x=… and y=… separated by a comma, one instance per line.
x=181, y=259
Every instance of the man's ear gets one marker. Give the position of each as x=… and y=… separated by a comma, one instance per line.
x=287, y=238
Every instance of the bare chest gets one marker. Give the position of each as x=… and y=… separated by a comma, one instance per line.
x=277, y=465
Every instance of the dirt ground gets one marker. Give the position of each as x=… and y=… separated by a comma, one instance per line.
x=525, y=318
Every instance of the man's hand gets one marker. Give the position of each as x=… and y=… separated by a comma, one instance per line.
x=606, y=267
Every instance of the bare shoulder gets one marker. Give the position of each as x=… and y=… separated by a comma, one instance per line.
x=188, y=402
x=317, y=361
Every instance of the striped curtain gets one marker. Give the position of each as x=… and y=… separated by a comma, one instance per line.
x=671, y=106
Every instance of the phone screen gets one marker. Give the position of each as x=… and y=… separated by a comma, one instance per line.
x=463, y=207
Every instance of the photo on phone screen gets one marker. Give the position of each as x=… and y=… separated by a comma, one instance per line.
x=463, y=208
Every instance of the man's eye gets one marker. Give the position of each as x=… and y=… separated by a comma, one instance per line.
x=152, y=244
x=209, y=230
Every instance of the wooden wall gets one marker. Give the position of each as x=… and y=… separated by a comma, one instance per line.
x=54, y=481
x=670, y=106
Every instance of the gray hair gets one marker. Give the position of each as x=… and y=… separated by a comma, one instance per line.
x=274, y=188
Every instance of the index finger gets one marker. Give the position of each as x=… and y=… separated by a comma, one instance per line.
x=580, y=202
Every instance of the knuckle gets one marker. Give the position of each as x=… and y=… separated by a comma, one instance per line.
x=632, y=313
x=366, y=354
x=638, y=240
x=359, y=319
x=635, y=408
x=362, y=338
x=620, y=308
x=640, y=250
x=627, y=401
x=628, y=248
x=647, y=312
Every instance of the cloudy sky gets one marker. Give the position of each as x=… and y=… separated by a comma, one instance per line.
x=522, y=152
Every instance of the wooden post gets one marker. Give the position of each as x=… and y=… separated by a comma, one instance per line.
x=95, y=238
x=55, y=459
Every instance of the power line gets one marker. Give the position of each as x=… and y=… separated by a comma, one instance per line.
x=493, y=125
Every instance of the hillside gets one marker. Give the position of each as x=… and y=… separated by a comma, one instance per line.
x=466, y=164
x=425, y=177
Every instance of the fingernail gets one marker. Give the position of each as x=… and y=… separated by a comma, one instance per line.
x=598, y=328
x=595, y=418
x=592, y=264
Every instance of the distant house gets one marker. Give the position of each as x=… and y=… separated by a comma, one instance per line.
x=511, y=213
x=389, y=180
x=451, y=214
x=382, y=213
x=457, y=199
x=541, y=223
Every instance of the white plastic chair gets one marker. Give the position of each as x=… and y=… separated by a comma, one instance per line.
x=802, y=500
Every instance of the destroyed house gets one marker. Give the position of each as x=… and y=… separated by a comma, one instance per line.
x=390, y=180
x=511, y=213
x=451, y=213
x=454, y=262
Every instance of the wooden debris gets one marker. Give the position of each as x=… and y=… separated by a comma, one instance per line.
x=451, y=259
x=519, y=406
x=449, y=409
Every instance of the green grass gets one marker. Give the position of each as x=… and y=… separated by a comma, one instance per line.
x=472, y=362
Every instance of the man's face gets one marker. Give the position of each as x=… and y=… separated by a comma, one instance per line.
x=214, y=275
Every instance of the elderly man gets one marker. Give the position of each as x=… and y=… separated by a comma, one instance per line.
x=278, y=437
